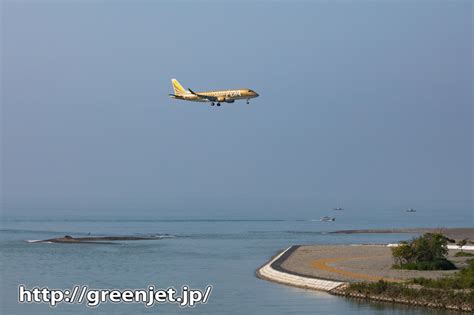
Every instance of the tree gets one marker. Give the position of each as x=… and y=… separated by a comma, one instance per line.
x=462, y=243
x=425, y=252
x=403, y=253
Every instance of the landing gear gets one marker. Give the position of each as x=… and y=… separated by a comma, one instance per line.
x=212, y=104
x=248, y=101
x=218, y=104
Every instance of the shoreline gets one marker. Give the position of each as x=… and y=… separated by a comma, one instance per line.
x=94, y=239
x=332, y=268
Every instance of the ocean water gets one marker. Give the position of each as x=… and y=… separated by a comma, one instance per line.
x=195, y=252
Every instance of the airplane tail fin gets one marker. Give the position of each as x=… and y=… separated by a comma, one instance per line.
x=178, y=88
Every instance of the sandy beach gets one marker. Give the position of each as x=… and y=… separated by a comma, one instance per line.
x=353, y=263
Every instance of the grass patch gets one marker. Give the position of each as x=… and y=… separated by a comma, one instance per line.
x=457, y=289
x=463, y=279
x=463, y=254
x=440, y=264
x=404, y=292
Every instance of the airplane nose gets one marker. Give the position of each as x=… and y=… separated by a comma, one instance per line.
x=256, y=94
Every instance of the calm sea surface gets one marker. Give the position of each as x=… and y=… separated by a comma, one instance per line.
x=224, y=253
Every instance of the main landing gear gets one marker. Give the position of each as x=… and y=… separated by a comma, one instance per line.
x=212, y=104
x=218, y=104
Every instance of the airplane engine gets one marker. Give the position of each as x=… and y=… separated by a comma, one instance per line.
x=229, y=100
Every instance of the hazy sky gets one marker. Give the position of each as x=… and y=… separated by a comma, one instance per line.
x=362, y=104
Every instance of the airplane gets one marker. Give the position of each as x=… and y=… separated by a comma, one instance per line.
x=215, y=97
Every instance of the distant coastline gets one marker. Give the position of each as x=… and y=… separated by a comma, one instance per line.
x=454, y=233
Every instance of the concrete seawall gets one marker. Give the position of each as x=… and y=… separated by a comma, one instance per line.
x=273, y=271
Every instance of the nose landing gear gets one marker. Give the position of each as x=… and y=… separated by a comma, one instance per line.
x=248, y=101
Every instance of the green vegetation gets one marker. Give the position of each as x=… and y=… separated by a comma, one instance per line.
x=463, y=254
x=427, y=252
x=463, y=279
x=454, y=291
x=442, y=264
x=404, y=293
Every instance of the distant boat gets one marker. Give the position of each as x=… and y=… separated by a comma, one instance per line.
x=411, y=210
x=327, y=219
x=337, y=209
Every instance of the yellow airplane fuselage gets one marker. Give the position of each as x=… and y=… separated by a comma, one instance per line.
x=222, y=96
x=228, y=96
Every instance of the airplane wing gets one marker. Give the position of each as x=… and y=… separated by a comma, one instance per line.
x=207, y=97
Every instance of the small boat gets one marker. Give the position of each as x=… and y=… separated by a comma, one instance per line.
x=411, y=210
x=327, y=219
x=337, y=209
